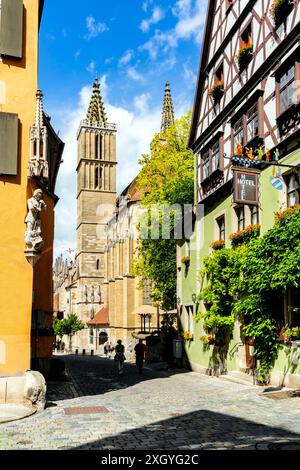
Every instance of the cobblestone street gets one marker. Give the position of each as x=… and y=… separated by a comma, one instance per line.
x=96, y=409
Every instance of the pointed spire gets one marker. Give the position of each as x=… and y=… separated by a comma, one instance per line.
x=168, y=112
x=96, y=111
x=39, y=120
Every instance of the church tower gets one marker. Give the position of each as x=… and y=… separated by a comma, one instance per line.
x=96, y=198
x=168, y=111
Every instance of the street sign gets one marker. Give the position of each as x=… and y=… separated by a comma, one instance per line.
x=245, y=186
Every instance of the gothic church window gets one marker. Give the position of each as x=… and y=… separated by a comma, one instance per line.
x=98, y=147
x=98, y=178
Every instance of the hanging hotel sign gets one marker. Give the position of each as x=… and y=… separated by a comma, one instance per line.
x=245, y=186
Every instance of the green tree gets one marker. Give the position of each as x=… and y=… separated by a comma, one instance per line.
x=58, y=327
x=167, y=178
x=68, y=326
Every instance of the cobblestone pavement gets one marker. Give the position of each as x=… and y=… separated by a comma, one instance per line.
x=96, y=409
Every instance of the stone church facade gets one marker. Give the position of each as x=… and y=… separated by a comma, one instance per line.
x=99, y=286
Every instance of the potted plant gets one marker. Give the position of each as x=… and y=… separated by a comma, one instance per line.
x=188, y=336
x=280, y=9
x=292, y=334
x=217, y=90
x=245, y=54
x=186, y=261
x=207, y=339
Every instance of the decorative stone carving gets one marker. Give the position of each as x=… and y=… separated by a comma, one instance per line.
x=33, y=235
x=35, y=389
x=38, y=165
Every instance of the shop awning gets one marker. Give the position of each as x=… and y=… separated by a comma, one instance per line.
x=101, y=319
x=144, y=310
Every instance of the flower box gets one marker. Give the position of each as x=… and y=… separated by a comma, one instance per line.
x=218, y=245
x=245, y=54
x=216, y=92
x=244, y=236
x=279, y=10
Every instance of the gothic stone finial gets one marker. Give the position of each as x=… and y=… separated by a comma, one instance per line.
x=96, y=112
x=38, y=164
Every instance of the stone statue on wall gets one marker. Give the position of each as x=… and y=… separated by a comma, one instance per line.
x=33, y=235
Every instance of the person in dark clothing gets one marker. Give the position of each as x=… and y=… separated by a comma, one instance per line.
x=140, y=350
x=120, y=357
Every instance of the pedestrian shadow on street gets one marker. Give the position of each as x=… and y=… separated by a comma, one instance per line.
x=202, y=430
x=87, y=376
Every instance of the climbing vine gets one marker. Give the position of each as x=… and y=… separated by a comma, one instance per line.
x=221, y=272
x=249, y=281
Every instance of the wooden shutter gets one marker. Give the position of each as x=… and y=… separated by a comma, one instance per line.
x=8, y=144
x=11, y=28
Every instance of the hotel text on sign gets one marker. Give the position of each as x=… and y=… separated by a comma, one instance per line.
x=245, y=187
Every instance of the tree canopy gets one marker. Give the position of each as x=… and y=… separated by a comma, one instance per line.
x=167, y=178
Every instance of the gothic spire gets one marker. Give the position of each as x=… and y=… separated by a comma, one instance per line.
x=168, y=112
x=39, y=120
x=96, y=111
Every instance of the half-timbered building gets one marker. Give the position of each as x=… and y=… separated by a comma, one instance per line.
x=246, y=114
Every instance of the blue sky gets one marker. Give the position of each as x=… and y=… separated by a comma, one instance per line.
x=134, y=46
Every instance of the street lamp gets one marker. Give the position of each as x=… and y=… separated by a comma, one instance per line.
x=194, y=298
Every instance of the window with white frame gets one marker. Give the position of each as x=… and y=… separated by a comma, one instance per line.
x=210, y=160
x=254, y=214
x=287, y=89
x=240, y=213
x=221, y=227
x=252, y=123
x=293, y=188
x=189, y=319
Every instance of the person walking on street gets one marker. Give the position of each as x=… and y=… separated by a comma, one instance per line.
x=140, y=350
x=120, y=357
x=106, y=349
x=109, y=350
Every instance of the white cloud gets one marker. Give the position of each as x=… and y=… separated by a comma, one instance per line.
x=190, y=16
x=126, y=57
x=157, y=15
x=109, y=60
x=146, y=5
x=188, y=74
x=64, y=32
x=50, y=37
x=91, y=67
x=94, y=29
x=134, y=75
x=136, y=129
x=77, y=54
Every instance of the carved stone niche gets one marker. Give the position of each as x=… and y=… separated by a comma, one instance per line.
x=38, y=164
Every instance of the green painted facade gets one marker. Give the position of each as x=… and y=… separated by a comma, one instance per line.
x=199, y=356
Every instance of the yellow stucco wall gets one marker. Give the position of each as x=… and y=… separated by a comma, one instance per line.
x=18, y=85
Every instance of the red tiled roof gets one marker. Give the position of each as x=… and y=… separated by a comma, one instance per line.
x=102, y=318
